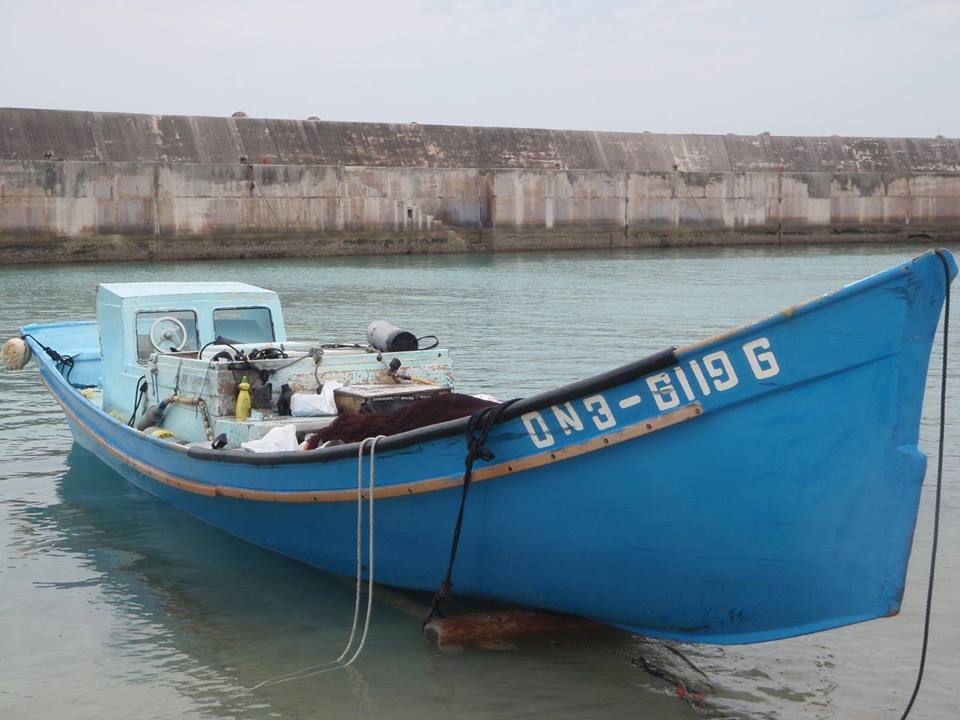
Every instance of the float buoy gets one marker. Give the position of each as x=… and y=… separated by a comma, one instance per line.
x=16, y=353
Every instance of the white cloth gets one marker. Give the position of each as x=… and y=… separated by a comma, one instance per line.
x=312, y=405
x=278, y=439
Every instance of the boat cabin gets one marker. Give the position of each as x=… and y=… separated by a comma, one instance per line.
x=173, y=357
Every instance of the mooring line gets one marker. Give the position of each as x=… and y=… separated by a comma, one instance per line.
x=936, y=506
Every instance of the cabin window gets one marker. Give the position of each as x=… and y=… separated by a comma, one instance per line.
x=166, y=328
x=243, y=325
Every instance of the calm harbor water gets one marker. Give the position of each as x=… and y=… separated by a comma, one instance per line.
x=114, y=605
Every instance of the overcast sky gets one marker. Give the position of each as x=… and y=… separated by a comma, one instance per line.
x=858, y=67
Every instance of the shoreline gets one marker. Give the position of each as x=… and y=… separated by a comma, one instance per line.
x=34, y=250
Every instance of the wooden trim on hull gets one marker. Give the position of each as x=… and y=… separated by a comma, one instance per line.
x=645, y=427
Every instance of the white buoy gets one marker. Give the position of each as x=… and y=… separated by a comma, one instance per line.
x=16, y=353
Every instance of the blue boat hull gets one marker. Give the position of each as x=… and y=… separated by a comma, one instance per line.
x=762, y=484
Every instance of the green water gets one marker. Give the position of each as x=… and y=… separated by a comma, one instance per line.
x=114, y=605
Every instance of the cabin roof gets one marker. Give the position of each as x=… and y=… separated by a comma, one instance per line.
x=153, y=289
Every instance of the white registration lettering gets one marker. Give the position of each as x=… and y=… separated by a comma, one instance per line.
x=701, y=380
x=567, y=418
x=537, y=429
x=763, y=364
x=719, y=368
x=663, y=393
x=602, y=417
x=684, y=383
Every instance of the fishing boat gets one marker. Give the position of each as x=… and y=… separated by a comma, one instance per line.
x=760, y=484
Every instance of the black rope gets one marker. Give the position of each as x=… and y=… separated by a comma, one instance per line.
x=269, y=353
x=63, y=363
x=241, y=362
x=936, y=506
x=478, y=430
x=656, y=671
x=138, y=394
x=436, y=342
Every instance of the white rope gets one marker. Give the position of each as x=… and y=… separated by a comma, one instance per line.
x=338, y=664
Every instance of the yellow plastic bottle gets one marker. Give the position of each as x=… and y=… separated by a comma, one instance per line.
x=243, y=400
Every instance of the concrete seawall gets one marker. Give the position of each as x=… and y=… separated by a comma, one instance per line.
x=98, y=186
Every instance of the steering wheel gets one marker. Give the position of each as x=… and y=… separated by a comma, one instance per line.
x=160, y=334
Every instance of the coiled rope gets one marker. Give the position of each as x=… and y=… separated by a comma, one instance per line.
x=936, y=505
x=350, y=649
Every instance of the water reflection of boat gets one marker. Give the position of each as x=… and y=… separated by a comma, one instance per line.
x=760, y=484
x=155, y=566
x=206, y=615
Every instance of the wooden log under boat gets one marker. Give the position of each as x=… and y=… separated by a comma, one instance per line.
x=481, y=627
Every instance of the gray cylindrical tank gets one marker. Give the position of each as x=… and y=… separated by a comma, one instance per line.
x=386, y=337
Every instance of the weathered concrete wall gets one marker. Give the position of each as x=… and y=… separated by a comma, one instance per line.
x=109, y=186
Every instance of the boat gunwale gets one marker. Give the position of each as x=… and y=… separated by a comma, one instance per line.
x=406, y=489
x=596, y=383
x=593, y=384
